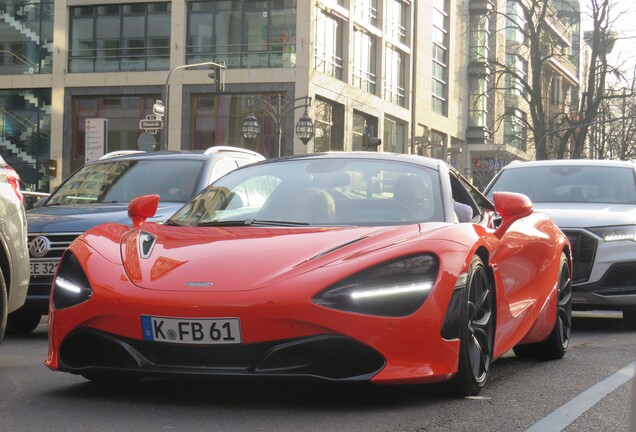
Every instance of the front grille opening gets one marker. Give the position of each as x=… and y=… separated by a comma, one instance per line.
x=621, y=278
x=329, y=357
x=583, y=253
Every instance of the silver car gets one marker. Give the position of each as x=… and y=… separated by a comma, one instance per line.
x=594, y=204
x=14, y=255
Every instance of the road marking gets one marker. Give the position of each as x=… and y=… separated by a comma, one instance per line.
x=560, y=418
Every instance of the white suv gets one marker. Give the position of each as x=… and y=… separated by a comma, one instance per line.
x=14, y=255
x=594, y=204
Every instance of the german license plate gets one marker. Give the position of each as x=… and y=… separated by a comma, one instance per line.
x=43, y=268
x=191, y=331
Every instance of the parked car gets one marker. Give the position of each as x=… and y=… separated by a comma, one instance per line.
x=317, y=266
x=14, y=256
x=100, y=192
x=594, y=203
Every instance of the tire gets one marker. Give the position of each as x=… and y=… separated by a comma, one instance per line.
x=555, y=346
x=477, y=333
x=23, y=321
x=629, y=319
x=4, y=306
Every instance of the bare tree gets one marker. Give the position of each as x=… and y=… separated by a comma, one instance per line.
x=599, y=89
x=557, y=129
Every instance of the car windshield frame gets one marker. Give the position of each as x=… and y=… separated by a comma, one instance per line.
x=317, y=192
x=119, y=181
x=569, y=183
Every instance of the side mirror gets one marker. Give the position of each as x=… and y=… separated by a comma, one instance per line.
x=510, y=207
x=142, y=207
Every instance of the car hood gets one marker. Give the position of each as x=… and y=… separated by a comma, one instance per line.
x=577, y=215
x=244, y=258
x=79, y=218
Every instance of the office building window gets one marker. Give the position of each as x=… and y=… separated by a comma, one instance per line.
x=247, y=34
x=479, y=35
x=478, y=97
x=120, y=37
x=517, y=71
x=515, y=22
x=364, y=126
x=515, y=128
x=364, y=61
x=328, y=44
x=366, y=11
x=328, y=124
x=397, y=13
x=394, y=138
x=26, y=35
x=123, y=114
x=439, y=99
x=395, y=76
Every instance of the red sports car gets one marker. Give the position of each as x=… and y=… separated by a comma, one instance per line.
x=341, y=266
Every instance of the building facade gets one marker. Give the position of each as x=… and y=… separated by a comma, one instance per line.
x=362, y=70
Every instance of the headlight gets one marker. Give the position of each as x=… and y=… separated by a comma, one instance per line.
x=70, y=286
x=616, y=233
x=392, y=289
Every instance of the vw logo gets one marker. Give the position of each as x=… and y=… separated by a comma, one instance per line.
x=39, y=246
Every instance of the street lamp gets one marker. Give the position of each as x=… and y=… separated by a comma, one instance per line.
x=166, y=92
x=304, y=128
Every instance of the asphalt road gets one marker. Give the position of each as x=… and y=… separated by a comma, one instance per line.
x=591, y=389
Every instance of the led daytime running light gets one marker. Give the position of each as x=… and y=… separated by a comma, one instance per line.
x=396, y=290
x=67, y=285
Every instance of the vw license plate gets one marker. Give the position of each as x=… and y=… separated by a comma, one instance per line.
x=191, y=331
x=43, y=268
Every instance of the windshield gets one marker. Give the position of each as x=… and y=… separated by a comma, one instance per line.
x=574, y=184
x=121, y=181
x=343, y=191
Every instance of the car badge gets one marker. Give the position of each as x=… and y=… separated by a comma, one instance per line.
x=146, y=244
x=198, y=284
x=39, y=246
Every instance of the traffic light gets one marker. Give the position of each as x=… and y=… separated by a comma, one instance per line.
x=218, y=76
x=370, y=143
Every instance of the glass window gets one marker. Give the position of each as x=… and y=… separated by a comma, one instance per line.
x=397, y=13
x=121, y=181
x=366, y=11
x=395, y=76
x=479, y=36
x=517, y=70
x=569, y=183
x=26, y=32
x=515, y=128
x=120, y=38
x=123, y=114
x=439, y=97
x=394, y=136
x=516, y=23
x=478, y=109
x=364, y=61
x=328, y=129
x=343, y=191
x=328, y=44
x=216, y=119
x=242, y=34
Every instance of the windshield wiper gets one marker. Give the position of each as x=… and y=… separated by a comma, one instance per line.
x=248, y=222
x=274, y=223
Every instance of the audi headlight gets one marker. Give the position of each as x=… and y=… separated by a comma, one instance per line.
x=616, y=233
x=70, y=286
x=393, y=289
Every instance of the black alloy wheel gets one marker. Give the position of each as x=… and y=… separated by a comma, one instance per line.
x=477, y=332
